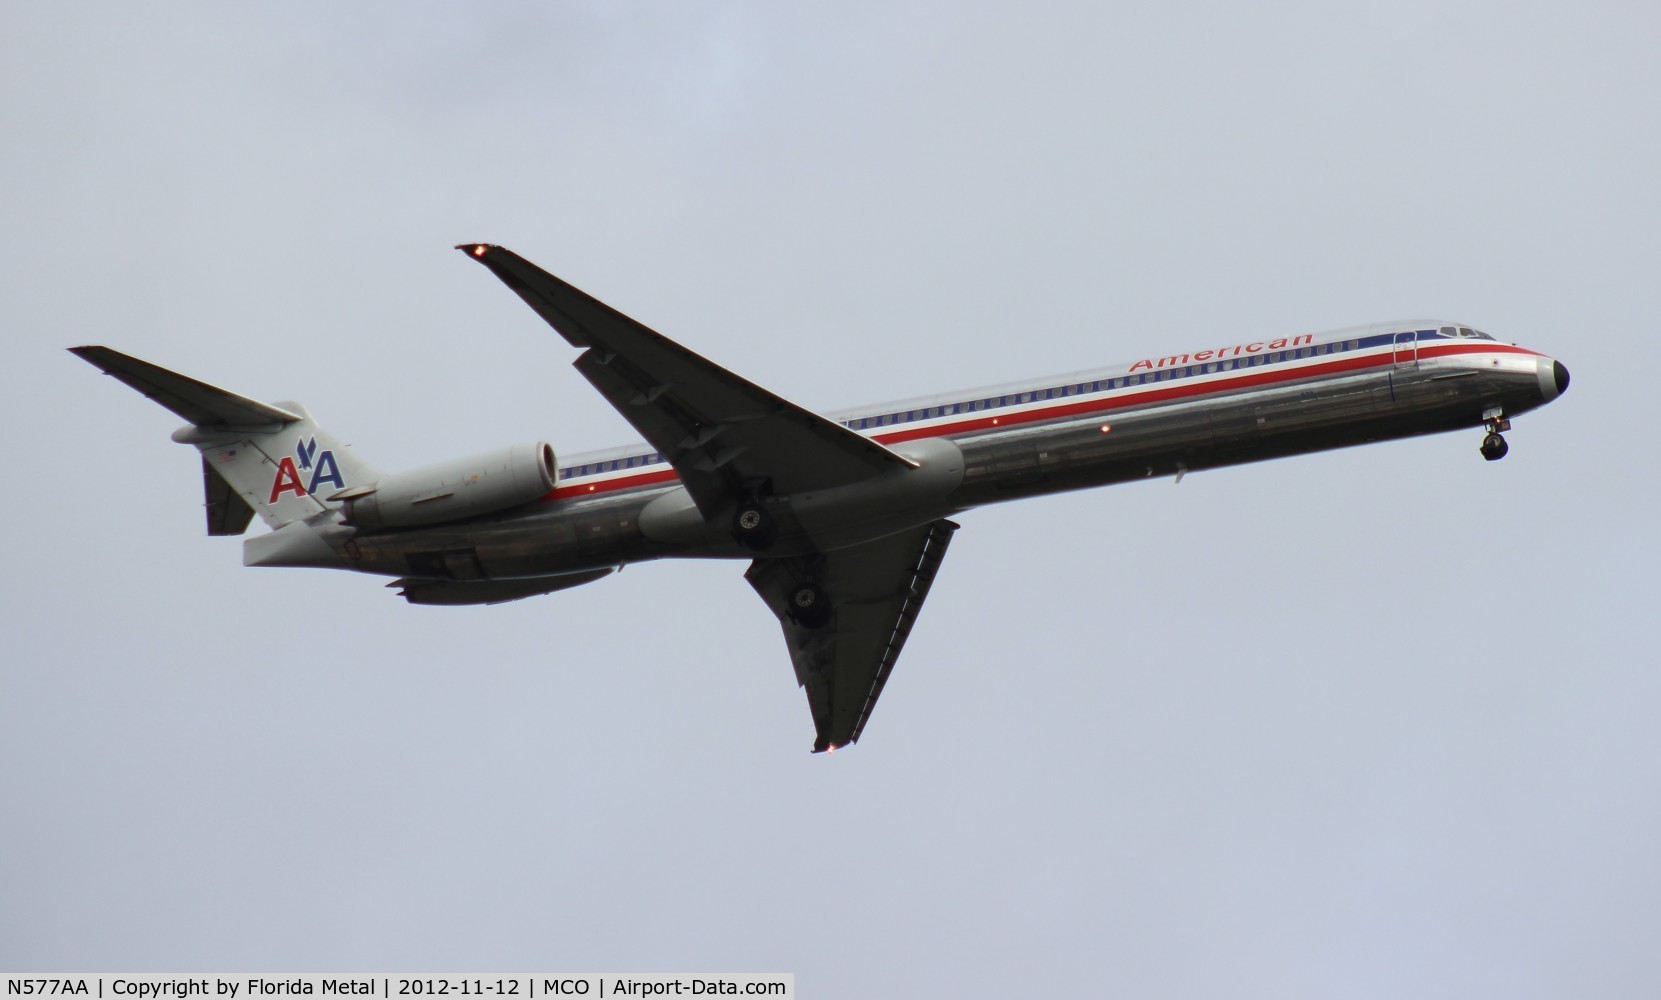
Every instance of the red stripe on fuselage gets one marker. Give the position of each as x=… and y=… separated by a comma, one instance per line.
x=1097, y=404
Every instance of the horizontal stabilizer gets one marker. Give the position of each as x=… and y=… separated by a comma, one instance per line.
x=272, y=460
x=198, y=402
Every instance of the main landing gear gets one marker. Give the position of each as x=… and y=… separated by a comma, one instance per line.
x=809, y=607
x=1494, y=446
x=753, y=526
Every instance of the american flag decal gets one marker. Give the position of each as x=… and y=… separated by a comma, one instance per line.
x=226, y=456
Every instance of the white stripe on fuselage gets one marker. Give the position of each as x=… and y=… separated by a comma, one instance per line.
x=1280, y=355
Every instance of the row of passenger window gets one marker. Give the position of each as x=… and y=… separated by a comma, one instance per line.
x=1017, y=398
x=1100, y=385
x=615, y=465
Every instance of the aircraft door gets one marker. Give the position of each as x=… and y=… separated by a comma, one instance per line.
x=1407, y=350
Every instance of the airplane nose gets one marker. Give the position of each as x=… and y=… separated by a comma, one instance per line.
x=1553, y=378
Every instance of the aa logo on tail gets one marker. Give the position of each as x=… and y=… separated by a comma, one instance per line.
x=306, y=457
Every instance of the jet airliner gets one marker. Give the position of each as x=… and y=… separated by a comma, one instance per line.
x=844, y=518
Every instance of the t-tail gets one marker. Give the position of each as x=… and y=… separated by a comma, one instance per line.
x=257, y=458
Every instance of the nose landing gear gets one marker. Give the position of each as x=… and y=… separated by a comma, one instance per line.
x=1494, y=446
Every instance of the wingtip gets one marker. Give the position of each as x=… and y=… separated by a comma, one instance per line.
x=94, y=354
x=476, y=249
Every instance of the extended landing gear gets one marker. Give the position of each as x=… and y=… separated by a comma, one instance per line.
x=1494, y=446
x=753, y=526
x=809, y=607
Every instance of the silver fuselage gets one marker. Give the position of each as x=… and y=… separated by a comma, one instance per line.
x=1154, y=417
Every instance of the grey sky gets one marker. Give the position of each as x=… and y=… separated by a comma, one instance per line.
x=1378, y=723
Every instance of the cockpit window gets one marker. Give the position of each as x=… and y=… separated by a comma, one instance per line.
x=1463, y=332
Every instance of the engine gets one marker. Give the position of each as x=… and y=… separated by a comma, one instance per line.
x=451, y=491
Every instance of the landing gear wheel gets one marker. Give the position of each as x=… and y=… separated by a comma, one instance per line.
x=809, y=607
x=753, y=526
x=1494, y=447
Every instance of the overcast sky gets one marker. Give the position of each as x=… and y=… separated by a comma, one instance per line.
x=1376, y=723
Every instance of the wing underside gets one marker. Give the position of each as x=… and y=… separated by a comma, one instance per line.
x=846, y=613
x=725, y=436
x=875, y=592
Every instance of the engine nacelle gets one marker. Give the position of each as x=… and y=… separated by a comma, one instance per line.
x=450, y=491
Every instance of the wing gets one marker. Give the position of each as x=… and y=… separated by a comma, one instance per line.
x=846, y=615
x=725, y=436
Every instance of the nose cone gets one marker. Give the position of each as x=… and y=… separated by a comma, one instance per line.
x=1553, y=377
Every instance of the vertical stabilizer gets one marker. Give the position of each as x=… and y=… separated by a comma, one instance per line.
x=270, y=460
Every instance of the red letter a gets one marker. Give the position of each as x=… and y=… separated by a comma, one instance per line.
x=288, y=480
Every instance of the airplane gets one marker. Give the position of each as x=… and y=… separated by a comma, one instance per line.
x=844, y=518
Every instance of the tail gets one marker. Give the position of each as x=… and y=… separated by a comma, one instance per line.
x=256, y=458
